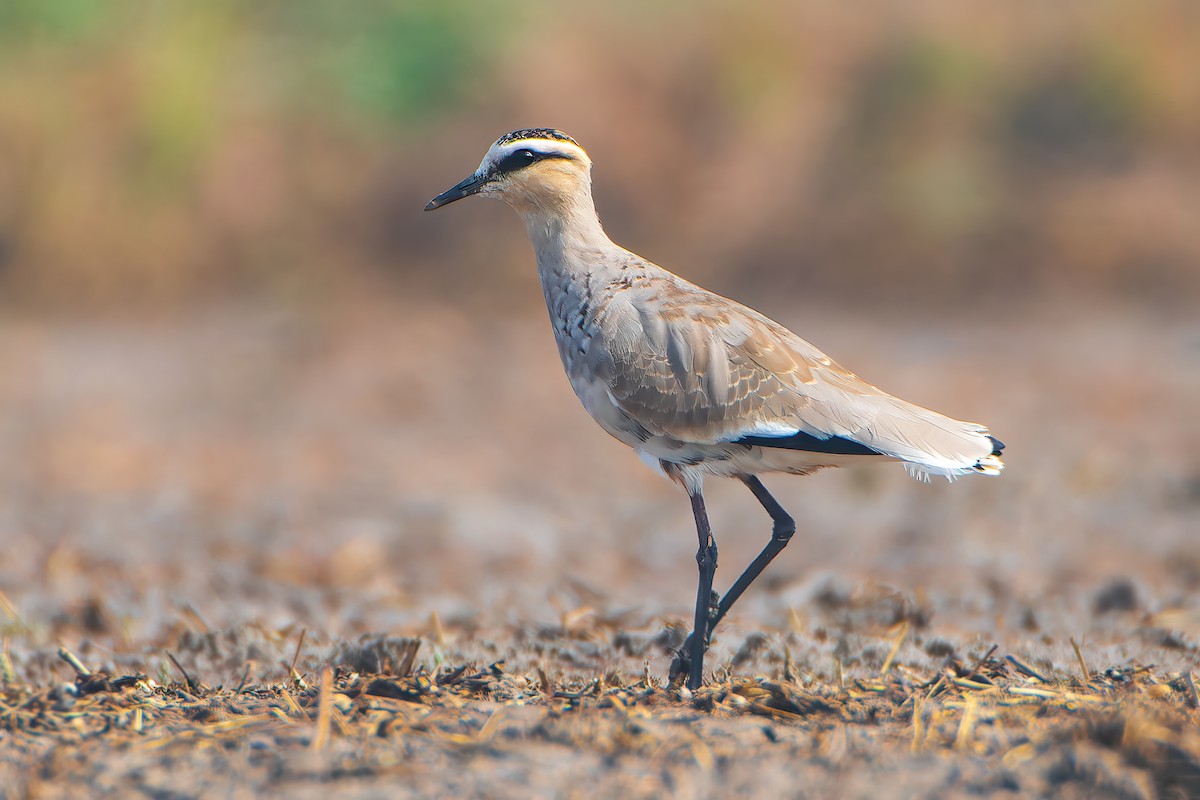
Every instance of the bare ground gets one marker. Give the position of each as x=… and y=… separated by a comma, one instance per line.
x=414, y=499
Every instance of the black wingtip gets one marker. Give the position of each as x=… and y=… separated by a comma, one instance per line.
x=997, y=446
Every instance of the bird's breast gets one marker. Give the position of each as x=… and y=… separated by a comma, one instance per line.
x=593, y=393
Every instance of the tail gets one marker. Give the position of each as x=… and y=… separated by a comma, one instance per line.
x=990, y=464
x=927, y=442
x=848, y=417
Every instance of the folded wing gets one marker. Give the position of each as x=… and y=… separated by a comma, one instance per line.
x=700, y=368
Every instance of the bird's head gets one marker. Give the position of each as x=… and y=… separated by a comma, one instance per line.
x=533, y=170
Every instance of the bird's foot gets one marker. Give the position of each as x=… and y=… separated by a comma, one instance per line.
x=682, y=672
x=681, y=665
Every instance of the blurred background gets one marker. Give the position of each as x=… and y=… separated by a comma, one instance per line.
x=935, y=152
x=244, y=377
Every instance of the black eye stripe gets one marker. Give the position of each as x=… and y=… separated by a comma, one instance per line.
x=523, y=158
x=515, y=160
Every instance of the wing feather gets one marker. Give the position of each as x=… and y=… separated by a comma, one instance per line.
x=701, y=368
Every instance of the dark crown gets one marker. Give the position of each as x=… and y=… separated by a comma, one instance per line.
x=536, y=133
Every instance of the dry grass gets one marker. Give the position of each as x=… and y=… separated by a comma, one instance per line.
x=996, y=727
x=289, y=562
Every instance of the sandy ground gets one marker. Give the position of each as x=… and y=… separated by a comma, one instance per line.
x=214, y=485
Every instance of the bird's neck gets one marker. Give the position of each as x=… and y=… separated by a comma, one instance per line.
x=565, y=238
x=566, y=224
x=570, y=246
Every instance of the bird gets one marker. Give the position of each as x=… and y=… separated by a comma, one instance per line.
x=697, y=384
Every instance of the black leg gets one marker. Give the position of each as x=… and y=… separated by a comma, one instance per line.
x=781, y=534
x=706, y=560
x=707, y=617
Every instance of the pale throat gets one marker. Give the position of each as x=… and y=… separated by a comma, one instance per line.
x=559, y=224
x=566, y=235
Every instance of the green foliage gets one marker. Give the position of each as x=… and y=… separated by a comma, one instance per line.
x=392, y=60
x=404, y=60
x=25, y=21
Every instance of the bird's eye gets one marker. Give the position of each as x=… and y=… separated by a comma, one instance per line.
x=516, y=160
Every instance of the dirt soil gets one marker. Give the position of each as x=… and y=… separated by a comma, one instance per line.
x=381, y=551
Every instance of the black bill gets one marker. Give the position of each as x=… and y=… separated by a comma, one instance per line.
x=465, y=188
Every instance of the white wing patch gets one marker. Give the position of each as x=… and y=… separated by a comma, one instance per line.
x=771, y=428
